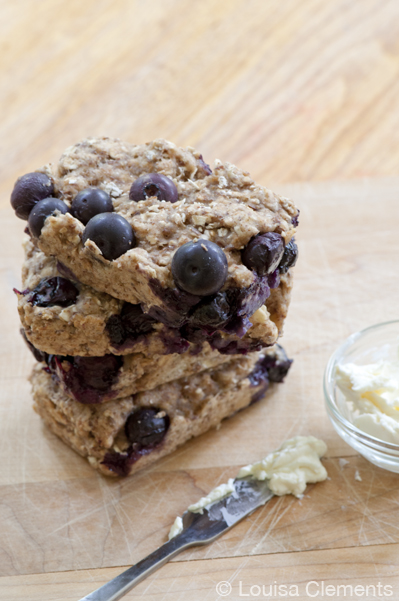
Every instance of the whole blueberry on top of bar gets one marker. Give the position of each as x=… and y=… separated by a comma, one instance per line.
x=200, y=267
x=153, y=184
x=90, y=202
x=111, y=233
x=28, y=190
x=43, y=209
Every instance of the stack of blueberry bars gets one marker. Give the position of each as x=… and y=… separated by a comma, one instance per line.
x=153, y=293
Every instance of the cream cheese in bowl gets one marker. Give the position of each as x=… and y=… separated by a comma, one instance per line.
x=372, y=393
x=361, y=387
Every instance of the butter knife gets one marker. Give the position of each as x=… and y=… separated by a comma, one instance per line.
x=198, y=529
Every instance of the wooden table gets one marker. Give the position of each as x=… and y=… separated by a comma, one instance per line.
x=292, y=91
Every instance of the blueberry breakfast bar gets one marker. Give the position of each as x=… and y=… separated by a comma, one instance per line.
x=122, y=436
x=153, y=292
x=65, y=317
x=152, y=225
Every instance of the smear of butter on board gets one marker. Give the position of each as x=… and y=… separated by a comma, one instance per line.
x=288, y=470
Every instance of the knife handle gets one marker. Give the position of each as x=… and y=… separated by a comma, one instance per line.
x=120, y=585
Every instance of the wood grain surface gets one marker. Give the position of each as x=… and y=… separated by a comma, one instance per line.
x=58, y=515
x=292, y=91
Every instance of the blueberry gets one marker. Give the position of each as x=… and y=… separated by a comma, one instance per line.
x=28, y=190
x=290, y=256
x=135, y=321
x=115, y=330
x=263, y=253
x=99, y=373
x=273, y=279
x=87, y=379
x=111, y=233
x=43, y=209
x=295, y=219
x=146, y=427
x=54, y=291
x=153, y=184
x=272, y=367
x=213, y=312
x=259, y=375
x=120, y=463
x=200, y=267
x=129, y=324
x=277, y=364
x=176, y=304
x=90, y=202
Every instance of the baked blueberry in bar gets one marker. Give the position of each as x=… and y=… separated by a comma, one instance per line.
x=199, y=250
x=122, y=436
x=61, y=316
x=94, y=380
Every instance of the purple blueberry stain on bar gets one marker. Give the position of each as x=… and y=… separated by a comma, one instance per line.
x=274, y=279
x=199, y=318
x=173, y=341
x=235, y=347
x=176, y=304
x=295, y=219
x=89, y=379
x=259, y=375
x=260, y=393
x=272, y=367
x=23, y=292
x=245, y=302
x=121, y=463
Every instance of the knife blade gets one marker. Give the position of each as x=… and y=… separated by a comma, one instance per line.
x=198, y=529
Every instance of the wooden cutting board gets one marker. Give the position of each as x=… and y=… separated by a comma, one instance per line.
x=65, y=529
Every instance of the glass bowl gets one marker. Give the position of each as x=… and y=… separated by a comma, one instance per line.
x=367, y=346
